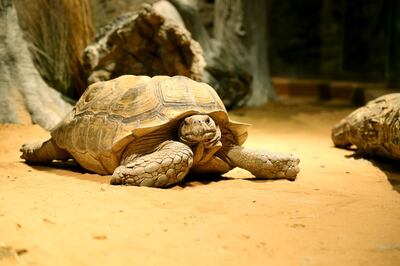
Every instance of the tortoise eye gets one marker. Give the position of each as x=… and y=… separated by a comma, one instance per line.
x=208, y=120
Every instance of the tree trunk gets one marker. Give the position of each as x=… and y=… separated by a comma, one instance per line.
x=57, y=32
x=190, y=15
x=253, y=30
x=24, y=96
x=237, y=61
x=144, y=43
x=393, y=43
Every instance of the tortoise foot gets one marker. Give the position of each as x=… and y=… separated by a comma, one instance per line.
x=166, y=166
x=28, y=151
x=277, y=165
x=43, y=152
x=265, y=164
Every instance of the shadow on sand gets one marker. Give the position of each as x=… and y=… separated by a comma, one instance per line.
x=73, y=169
x=391, y=170
x=195, y=180
x=70, y=168
x=388, y=166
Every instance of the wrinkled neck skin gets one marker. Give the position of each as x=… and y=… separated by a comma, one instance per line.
x=202, y=134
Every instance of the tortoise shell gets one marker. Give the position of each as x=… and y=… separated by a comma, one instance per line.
x=111, y=114
x=373, y=128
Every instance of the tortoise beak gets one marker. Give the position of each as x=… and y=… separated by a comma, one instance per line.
x=199, y=129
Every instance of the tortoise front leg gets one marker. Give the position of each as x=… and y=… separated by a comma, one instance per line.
x=263, y=163
x=43, y=152
x=167, y=165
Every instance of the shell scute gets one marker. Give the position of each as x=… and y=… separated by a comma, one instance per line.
x=95, y=126
x=79, y=137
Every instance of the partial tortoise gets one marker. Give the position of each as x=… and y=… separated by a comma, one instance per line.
x=374, y=128
x=153, y=131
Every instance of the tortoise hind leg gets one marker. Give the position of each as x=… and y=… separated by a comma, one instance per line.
x=264, y=164
x=43, y=152
x=168, y=164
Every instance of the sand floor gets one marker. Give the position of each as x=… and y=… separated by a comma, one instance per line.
x=339, y=211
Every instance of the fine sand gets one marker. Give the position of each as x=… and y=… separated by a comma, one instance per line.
x=340, y=211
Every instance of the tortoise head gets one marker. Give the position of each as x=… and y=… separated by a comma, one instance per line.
x=202, y=134
x=199, y=129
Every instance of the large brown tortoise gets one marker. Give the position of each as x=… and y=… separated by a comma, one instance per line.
x=153, y=131
x=374, y=128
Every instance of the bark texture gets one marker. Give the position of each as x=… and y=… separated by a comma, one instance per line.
x=105, y=11
x=237, y=63
x=24, y=96
x=143, y=43
x=57, y=32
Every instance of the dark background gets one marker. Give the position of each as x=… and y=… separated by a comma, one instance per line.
x=342, y=40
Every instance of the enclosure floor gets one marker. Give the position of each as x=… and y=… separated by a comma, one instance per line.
x=339, y=211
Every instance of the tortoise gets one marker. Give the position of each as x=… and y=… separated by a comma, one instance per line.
x=151, y=131
x=374, y=128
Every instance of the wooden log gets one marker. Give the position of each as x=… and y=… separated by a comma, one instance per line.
x=143, y=43
x=24, y=96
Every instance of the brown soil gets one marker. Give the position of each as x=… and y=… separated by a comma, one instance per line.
x=339, y=211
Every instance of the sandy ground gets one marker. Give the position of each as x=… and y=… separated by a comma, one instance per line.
x=340, y=210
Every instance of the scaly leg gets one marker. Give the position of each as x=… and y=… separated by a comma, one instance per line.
x=43, y=152
x=167, y=165
x=263, y=163
x=215, y=165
